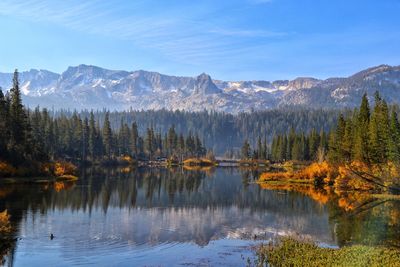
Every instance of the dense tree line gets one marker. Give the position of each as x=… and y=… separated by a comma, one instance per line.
x=303, y=147
x=292, y=146
x=221, y=132
x=27, y=135
x=370, y=136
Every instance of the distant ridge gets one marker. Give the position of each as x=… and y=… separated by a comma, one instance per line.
x=92, y=87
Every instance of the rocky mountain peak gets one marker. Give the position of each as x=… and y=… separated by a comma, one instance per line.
x=92, y=87
x=303, y=83
x=205, y=85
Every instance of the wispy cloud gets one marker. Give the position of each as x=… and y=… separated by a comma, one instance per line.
x=181, y=39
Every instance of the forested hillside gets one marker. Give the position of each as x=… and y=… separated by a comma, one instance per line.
x=30, y=137
x=39, y=134
x=221, y=132
x=366, y=135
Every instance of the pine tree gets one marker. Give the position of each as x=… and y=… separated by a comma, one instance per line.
x=260, y=152
x=291, y=139
x=336, y=152
x=17, y=118
x=333, y=151
x=246, y=150
x=77, y=136
x=265, y=148
x=347, y=142
x=149, y=143
x=199, y=150
x=92, y=137
x=314, y=144
x=4, y=134
x=172, y=140
x=283, y=148
x=181, y=145
x=360, y=148
x=384, y=130
x=140, y=146
x=107, y=136
x=124, y=139
x=134, y=139
x=85, y=139
x=379, y=132
x=190, y=146
x=394, y=142
x=297, y=149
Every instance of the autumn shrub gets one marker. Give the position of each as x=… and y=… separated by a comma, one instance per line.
x=348, y=180
x=125, y=160
x=5, y=225
x=316, y=172
x=62, y=168
x=198, y=162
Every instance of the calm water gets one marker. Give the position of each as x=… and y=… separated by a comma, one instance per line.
x=162, y=217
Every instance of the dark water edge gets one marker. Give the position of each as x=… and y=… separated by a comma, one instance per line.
x=177, y=217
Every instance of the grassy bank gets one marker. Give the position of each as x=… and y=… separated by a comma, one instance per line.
x=291, y=252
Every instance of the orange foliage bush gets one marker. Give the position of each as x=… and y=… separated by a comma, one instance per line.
x=198, y=162
x=64, y=168
x=5, y=225
x=126, y=159
x=314, y=172
x=347, y=180
x=342, y=177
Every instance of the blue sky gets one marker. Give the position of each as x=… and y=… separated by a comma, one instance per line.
x=230, y=40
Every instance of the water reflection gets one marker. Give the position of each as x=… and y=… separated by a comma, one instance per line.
x=140, y=213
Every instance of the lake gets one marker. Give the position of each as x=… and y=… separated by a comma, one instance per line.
x=178, y=217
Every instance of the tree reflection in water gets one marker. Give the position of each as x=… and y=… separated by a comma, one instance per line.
x=152, y=206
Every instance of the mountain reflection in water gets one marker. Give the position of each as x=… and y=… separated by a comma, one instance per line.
x=126, y=216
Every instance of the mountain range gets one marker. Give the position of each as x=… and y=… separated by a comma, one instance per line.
x=91, y=87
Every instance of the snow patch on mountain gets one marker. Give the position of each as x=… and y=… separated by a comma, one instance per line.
x=91, y=87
